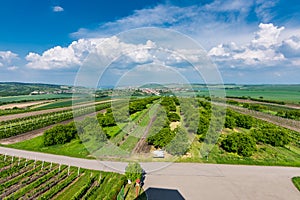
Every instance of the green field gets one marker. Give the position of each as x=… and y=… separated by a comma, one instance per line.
x=287, y=93
x=22, y=98
x=74, y=148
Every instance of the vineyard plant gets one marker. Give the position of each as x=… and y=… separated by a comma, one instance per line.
x=32, y=179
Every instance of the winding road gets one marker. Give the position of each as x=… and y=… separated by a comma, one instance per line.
x=194, y=181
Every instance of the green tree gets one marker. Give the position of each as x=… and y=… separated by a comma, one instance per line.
x=173, y=117
x=180, y=143
x=270, y=134
x=60, y=134
x=240, y=143
x=229, y=122
x=162, y=138
x=133, y=171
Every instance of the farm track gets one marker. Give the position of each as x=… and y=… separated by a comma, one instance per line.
x=293, y=106
x=40, y=112
x=142, y=145
x=283, y=122
x=38, y=132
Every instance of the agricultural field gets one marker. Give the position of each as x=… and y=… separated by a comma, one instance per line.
x=169, y=124
x=22, y=125
x=285, y=111
x=25, y=98
x=286, y=93
x=32, y=179
x=182, y=127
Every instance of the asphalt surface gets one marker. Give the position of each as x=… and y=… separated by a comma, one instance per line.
x=194, y=181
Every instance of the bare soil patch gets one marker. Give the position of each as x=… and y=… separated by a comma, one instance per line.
x=24, y=104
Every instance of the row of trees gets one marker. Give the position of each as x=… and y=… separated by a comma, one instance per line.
x=136, y=105
x=244, y=144
x=280, y=111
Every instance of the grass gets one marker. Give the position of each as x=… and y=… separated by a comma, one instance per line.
x=265, y=155
x=57, y=104
x=290, y=96
x=114, y=130
x=129, y=143
x=296, y=181
x=74, y=148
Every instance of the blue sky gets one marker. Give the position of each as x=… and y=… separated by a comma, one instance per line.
x=250, y=41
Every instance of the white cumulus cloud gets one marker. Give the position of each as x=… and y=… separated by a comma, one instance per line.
x=267, y=35
x=58, y=9
x=74, y=55
x=7, y=57
x=261, y=51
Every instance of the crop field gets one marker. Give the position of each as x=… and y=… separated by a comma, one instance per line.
x=23, y=98
x=31, y=179
x=287, y=93
x=152, y=126
x=21, y=125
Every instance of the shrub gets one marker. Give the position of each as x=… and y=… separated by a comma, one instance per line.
x=272, y=135
x=133, y=171
x=240, y=143
x=59, y=134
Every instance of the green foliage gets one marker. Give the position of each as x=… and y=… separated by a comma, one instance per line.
x=60, y=134
x=240, y=143
x=296, y=181
x=21, y=125
x=133, y=171
x=162, y=138
x=173, y=117
x=244, y=121
x=204, y=120
x=229, y=122
x=106, y=120
x=180, y=143
x=270, y=134
x=169, y=103
x=140, y=104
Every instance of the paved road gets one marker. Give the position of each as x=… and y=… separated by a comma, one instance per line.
x=195, y=181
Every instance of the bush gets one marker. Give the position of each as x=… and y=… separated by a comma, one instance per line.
x=229, y=122
x=240, y=143
x=173, y=117
x=244, y=121
x=272, y=135
x=162, y=138
x=133, y=171
x=60, y=134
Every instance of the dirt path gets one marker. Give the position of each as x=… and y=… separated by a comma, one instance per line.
x=27, y=114
x=293, y=106
x=35, y=133
x=283, y=122
x=142, y=145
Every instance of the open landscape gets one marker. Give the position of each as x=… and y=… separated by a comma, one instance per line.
x=255, y=132
x=150, y=100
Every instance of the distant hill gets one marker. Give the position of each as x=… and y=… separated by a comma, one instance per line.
x=17, y=88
